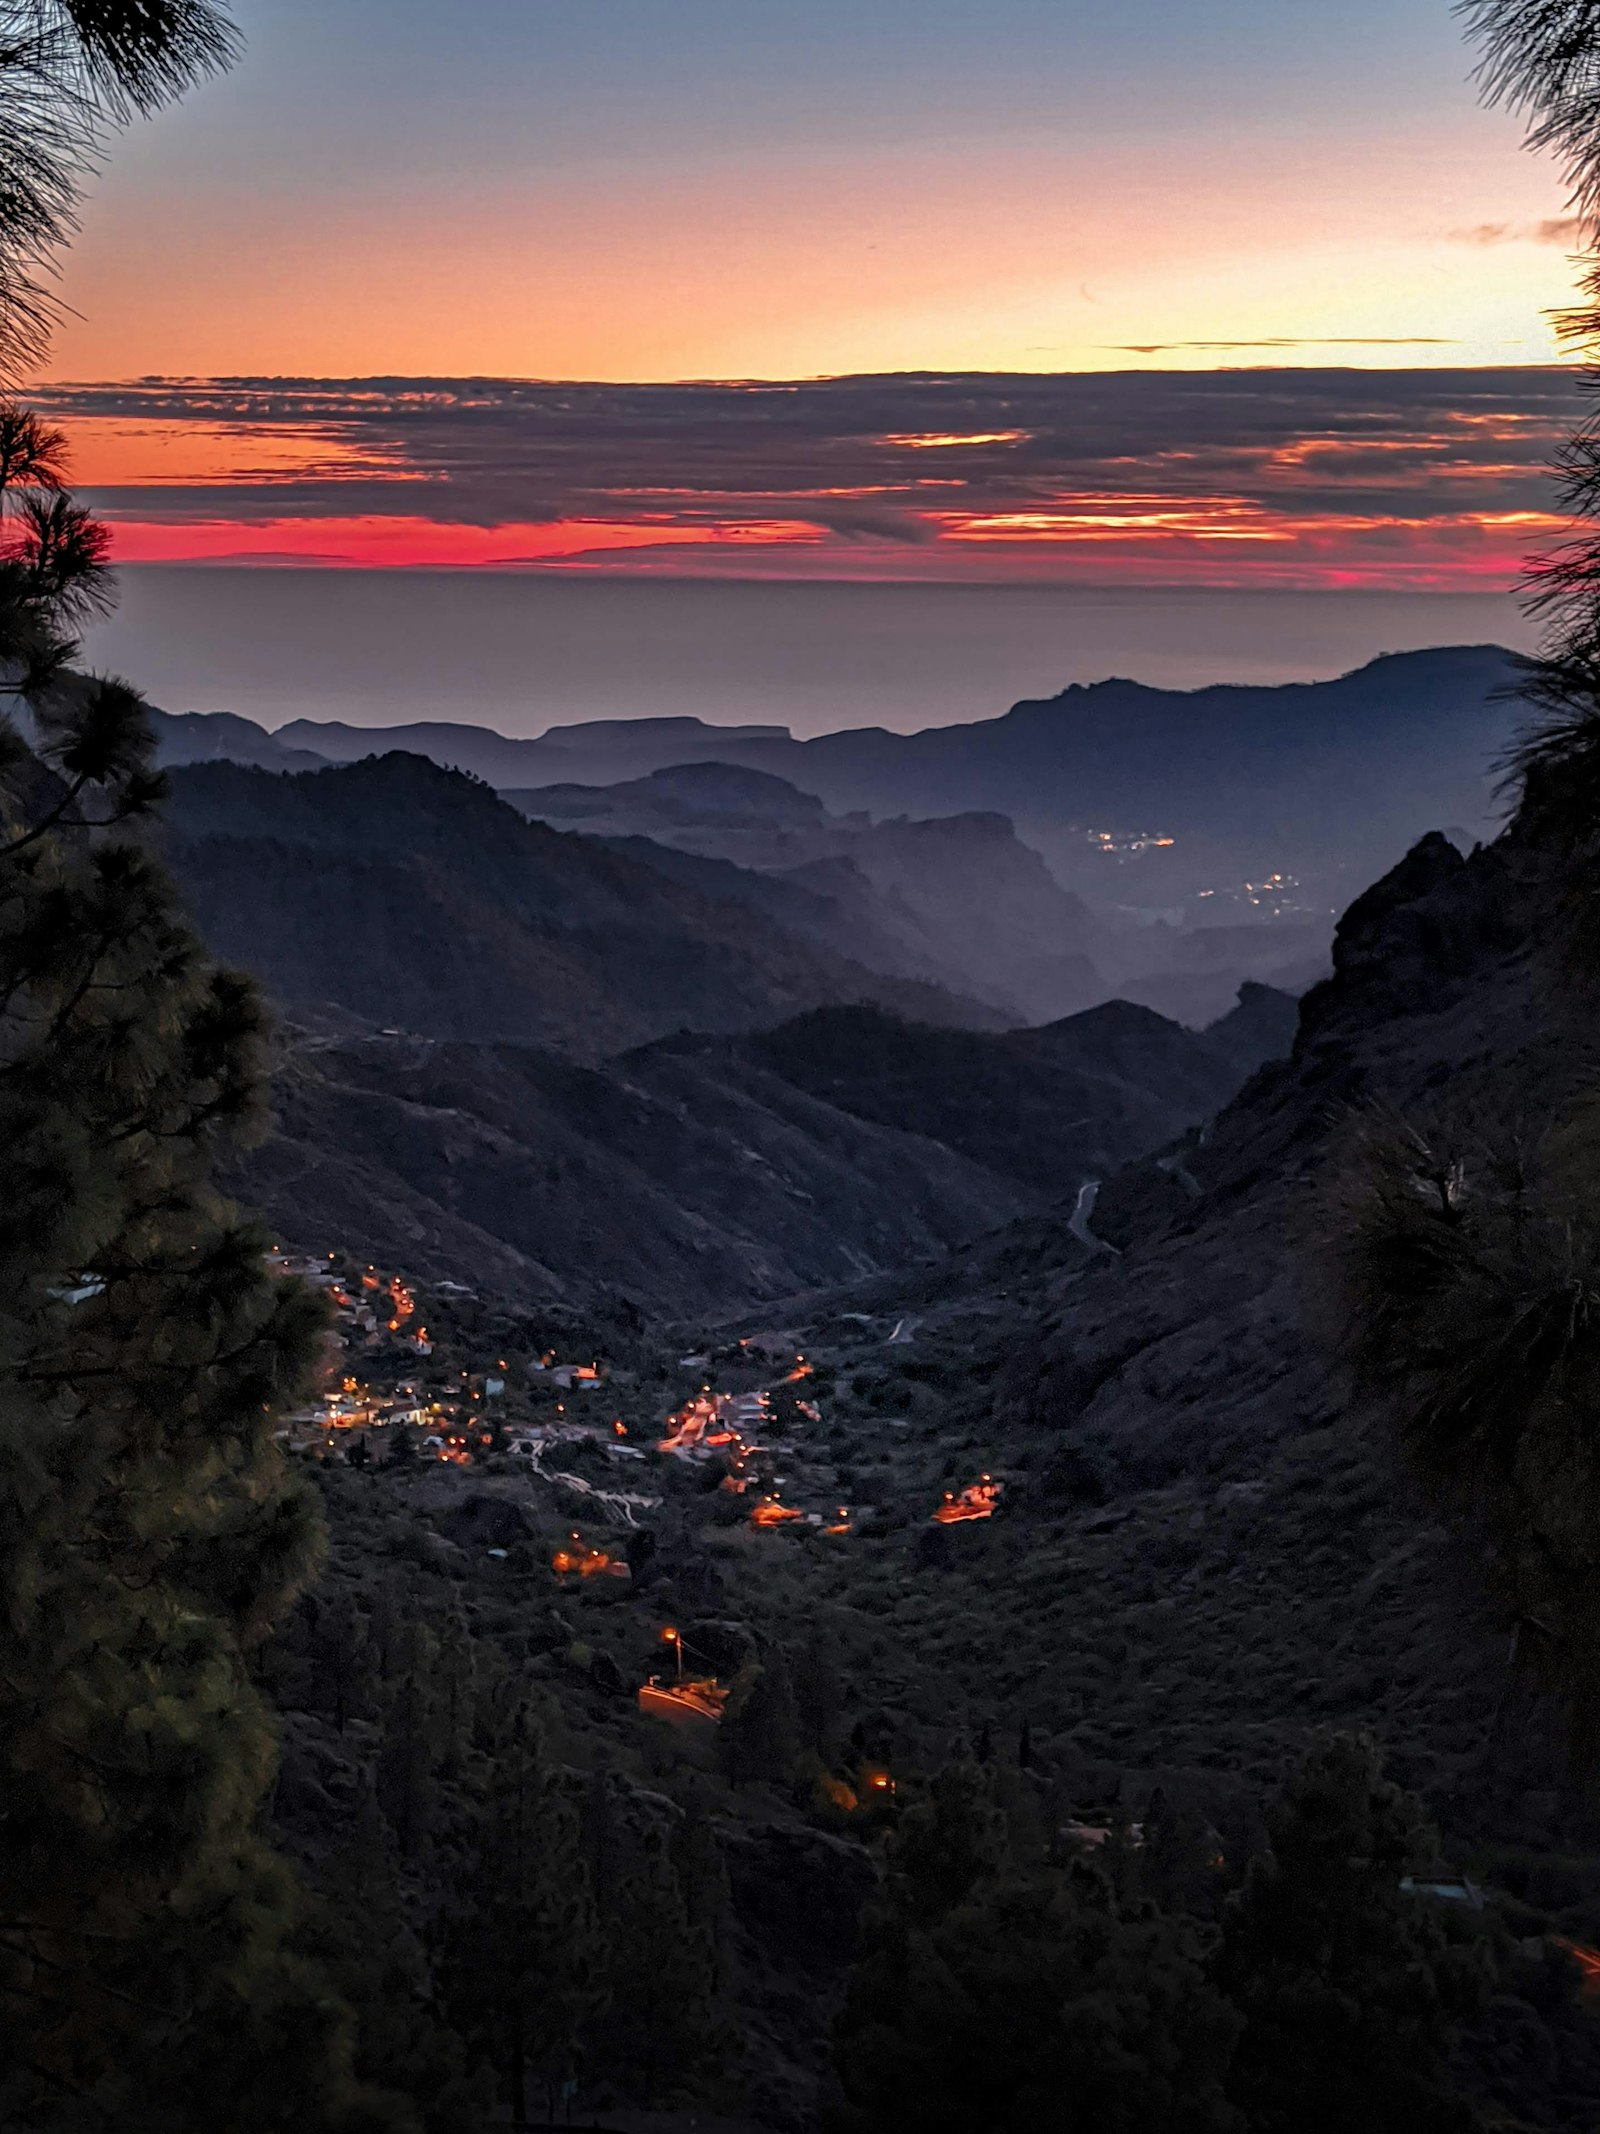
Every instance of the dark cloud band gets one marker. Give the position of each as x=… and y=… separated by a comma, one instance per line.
x=901, y=461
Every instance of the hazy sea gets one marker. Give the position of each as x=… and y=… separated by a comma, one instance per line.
x=522, y=652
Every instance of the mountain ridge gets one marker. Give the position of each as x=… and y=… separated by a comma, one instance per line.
x=394, y=892
x=1326, y=782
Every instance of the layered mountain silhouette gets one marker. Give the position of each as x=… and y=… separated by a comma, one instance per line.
x=703, y=1173
x=393, y=894
x=1335, y=776
x=516, y=1055
x=725, y=1036
x=1211, y=835
x=957, y=900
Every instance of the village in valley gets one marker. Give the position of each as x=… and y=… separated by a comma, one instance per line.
x=595, y=1467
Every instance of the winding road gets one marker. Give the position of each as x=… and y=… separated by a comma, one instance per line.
x=621, y=1503
x=1078, y=1222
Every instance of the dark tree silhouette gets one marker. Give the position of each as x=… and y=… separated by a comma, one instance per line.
x=1542, y=59
x=70, y=71
x=994, y=1990
x=150, y=1533
x=1351, y=1985
x=522, y=1962
x=1463, y=1261
x=1465, y=1251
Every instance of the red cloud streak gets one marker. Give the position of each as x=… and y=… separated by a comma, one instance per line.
x=1430, y=479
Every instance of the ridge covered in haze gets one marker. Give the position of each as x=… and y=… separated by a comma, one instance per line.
x=1206, y=836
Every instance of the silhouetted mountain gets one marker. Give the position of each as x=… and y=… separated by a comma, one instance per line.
x=1202, y=968
x=687, y=1184
x=1045, y=1107
x=393, y=893
x=594, y=754
x=957, y=901
x=702, y=1173
x=1329, y=781
x=223, y=737
x=721, y=797
x=1325, y=772
x=1227, y=817
x=1260, y=1027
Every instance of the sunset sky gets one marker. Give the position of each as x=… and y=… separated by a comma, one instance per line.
x=986, y=193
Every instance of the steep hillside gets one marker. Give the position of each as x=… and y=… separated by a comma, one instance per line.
x=958, y=900
x=1045, y=1107
x=700, y=1174
x=687, y=1189
x=394, y=894
x=1204, y=1552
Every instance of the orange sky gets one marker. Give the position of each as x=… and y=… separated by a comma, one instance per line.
x=624, y=193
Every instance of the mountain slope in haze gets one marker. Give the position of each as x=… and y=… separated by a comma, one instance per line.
x=1207, y=1549
x=1329, y=781
x=597, y=753
x=393, y=893
x=957, y=900
x=224, y=737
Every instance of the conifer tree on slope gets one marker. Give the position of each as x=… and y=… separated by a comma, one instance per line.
x=149, y=1536
x=70, y=71
x=1352, y=1987
x=522, y=1965
x=995, y=1990
x=149, y=1533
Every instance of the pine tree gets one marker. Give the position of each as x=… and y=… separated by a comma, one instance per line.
x=702, y=1871
x=989, y=1995
x=150, y=1535
x=1463, y=1265
x=522, y=1967
x=1465, y=1261
x=366, y=1939
x=1351, y=1985
x=662, y=2034
x=1180, y=1860
x=455, y=1687
x=408, y=1764
x=759, y=1733
x=388, y=1631
x=946, y=1846
x=70, y=70
x=339, y=1662
x=818, y=1696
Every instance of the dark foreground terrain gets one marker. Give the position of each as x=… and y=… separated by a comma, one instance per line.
x=1199, y=1555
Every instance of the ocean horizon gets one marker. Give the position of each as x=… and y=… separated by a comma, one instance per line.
x=522, y=652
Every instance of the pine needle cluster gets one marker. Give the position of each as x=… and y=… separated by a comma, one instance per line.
x=150, y=1533
x=70, y=72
